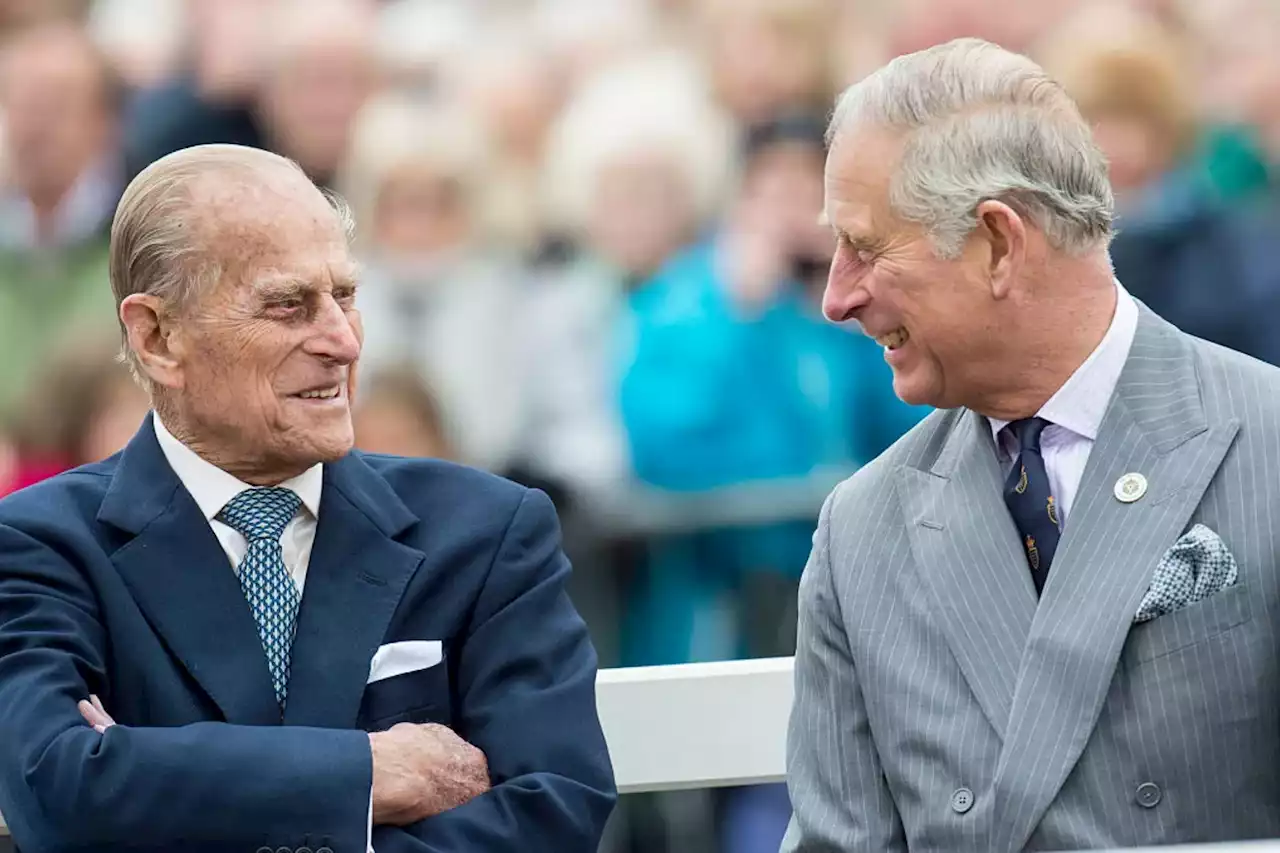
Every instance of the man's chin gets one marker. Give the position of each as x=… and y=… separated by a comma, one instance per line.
x=911, y=390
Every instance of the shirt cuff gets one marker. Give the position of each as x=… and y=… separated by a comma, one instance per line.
x=370, y=836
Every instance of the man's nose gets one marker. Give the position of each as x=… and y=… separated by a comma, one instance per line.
x=338, y=334
x=843, y=299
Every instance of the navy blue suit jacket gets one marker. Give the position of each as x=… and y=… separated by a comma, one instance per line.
x=113, y=583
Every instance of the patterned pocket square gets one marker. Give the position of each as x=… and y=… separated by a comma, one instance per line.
x=1197, y=566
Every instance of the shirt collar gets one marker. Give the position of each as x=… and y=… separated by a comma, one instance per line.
x=1080, y=404
x=212, y=488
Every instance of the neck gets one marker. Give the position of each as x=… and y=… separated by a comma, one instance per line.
x=44, y=208
x=255, y=472
x=1062, y=323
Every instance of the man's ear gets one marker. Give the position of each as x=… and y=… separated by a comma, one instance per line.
x=151, y=335
x=1006, y=235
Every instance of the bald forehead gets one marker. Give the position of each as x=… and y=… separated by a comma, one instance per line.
x=255, y=201
x=255, y=219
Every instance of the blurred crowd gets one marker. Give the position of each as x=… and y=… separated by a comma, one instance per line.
x=593, y=252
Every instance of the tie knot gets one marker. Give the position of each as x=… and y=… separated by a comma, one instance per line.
x=1027, y=432
x=261, y=513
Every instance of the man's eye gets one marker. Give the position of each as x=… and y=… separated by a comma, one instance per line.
x=286, y=306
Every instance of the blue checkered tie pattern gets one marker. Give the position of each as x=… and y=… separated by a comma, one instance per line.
x=261, y=515
x=1031, y=501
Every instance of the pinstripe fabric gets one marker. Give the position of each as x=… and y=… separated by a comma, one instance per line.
x=924, y=664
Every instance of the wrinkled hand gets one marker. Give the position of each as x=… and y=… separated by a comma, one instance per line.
x=422, y=770
x=95, y=714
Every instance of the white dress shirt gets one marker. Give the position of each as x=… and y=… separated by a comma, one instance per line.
x=212, y=489
x=1075, y=412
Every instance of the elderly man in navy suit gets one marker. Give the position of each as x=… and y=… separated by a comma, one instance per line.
x=239, y=633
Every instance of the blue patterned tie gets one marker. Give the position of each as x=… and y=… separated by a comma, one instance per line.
x=1030, y=500
x=261, y=515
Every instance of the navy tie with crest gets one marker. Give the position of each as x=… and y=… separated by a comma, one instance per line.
x=261, y=515
x=1031, y=501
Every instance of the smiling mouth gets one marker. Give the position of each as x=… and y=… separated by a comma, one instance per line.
x=895, y=339
x=331, y=393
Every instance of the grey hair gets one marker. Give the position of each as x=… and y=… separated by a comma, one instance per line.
x=154, y=245
x=984, y=123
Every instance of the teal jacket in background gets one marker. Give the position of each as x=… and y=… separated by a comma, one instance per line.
x=713, y=397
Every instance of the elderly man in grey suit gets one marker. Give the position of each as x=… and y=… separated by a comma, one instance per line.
x=1045, y=618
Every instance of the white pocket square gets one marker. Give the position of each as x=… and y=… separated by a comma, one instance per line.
x=1198, y=565
x=408, y=656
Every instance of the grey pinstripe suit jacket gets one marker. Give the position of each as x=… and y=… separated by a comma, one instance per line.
x=925, y=666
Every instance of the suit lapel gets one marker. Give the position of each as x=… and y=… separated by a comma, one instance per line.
x=181, y=579
x=968, y=551
x=1155, y=426
x=357, y=575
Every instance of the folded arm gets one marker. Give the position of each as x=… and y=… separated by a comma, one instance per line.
x=63, y=784
x=840, y=797
x=526, y=680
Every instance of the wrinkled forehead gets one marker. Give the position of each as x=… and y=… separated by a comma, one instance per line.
x=278, y=227
x=856, y=181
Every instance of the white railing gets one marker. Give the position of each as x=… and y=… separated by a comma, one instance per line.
x=716, y=724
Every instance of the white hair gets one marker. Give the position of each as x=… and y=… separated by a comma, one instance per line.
x=653, y=104
x=981, y=123
x=395, y=131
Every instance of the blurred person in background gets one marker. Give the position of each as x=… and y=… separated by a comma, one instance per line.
x=515, y=85
x=61, y=102
x=768, y=56
x=210, y=95
x=436, y=293
x=397, y=414
x=1186, y=245
x=637, y=167
x=590, y=38
x=17, y=15
x=142, y=37
x=321, y=67
x=82, y=407
x=1238, y=70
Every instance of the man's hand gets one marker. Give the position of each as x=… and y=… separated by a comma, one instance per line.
x=95, y=714
x=422, y=770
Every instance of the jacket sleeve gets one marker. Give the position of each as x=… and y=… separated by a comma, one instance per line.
x=840, y=799
x=526, y=681
x=63, y=785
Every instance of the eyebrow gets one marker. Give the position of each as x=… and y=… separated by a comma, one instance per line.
x=274, y=287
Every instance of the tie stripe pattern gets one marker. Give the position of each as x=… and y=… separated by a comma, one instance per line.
x=261, y=516
x=1030, y=500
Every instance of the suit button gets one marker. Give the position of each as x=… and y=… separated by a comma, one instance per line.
x=265, y=850
x=324, y=850
x=284, y=850
x=1148, y=795
x=303, y=850
x=961, y=800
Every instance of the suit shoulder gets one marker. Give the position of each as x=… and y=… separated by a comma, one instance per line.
x=1236, y=384
x=417, y=480
x=63, y=499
